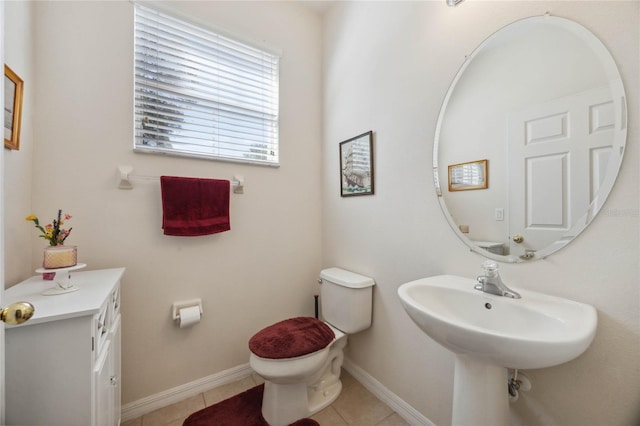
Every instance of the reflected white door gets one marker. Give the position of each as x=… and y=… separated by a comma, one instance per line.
x=558, y=153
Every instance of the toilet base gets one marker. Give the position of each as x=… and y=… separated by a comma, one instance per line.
x=320, y=397
x=283, y=404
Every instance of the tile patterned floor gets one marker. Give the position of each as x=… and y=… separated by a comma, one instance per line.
x=355, y=406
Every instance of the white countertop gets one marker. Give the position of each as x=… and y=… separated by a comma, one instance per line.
x=94, y=288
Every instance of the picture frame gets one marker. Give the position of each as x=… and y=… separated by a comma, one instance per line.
x=469, y=176
x=13, y=88
x=356, y=166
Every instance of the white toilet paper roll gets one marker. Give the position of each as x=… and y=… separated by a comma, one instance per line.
x=189, y=316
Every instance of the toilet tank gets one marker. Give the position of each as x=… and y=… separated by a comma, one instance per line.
x=346, y=299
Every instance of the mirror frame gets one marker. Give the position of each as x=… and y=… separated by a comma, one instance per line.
x=619, y=138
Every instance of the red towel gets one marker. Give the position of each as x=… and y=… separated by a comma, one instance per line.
x=194, y=206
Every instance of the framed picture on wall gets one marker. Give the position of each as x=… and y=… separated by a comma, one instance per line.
x=356, y=165
x=13, y=86
x=467, y=176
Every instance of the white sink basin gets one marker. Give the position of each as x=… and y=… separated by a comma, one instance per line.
x=535, y=331
x=489, y=334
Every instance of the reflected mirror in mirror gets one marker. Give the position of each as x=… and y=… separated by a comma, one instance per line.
x=543, y=101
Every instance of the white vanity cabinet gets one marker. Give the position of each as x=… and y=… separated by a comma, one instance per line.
x=63, y=365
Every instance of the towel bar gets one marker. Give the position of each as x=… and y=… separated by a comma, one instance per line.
x=125, y=176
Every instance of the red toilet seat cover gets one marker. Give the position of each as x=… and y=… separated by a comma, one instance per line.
x=291, y=338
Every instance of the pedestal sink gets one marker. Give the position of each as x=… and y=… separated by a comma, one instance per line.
x=489, y=334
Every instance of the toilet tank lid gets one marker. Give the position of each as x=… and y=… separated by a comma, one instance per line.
x=346, y=278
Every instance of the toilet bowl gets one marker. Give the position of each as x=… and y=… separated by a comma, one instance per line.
x=301, y=358
x=300, y=386
x=289, y=370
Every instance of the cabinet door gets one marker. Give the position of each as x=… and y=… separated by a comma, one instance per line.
x=49, y=368
x=103, y=392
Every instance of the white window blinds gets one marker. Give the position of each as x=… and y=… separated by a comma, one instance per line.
x=198, y=93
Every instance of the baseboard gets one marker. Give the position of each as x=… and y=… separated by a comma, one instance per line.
x=148, y=404
x=404, y=410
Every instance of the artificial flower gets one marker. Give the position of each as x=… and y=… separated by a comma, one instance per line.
x=53, y=232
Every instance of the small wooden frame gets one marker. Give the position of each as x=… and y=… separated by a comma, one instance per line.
x=13, y=87
x=468, y=176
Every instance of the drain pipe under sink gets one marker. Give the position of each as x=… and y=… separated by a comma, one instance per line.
x=516, y=384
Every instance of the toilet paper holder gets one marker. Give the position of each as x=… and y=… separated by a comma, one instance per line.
x=185, y=304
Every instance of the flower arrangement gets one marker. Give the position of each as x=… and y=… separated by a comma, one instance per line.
x=53, y=231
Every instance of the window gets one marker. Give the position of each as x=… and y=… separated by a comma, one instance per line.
x=202, y=94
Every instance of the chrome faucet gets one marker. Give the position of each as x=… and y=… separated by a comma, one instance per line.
x=491, y=282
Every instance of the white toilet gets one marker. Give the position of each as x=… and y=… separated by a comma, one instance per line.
x=300, y=358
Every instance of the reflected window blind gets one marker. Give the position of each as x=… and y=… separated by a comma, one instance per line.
x=467, y=174
x=202, y=94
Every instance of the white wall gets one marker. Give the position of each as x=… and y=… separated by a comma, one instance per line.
x=263, y=270
x=18, y=164
x=387, y=68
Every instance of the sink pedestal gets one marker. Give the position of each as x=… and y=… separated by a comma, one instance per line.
x=480, y=395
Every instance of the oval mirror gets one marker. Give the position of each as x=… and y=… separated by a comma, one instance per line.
x=529, y=139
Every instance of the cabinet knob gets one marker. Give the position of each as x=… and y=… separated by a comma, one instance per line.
x=113, y=380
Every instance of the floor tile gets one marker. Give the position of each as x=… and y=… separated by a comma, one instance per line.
x=174, y=413
x=329, y=417
x=223, y=392
x=347, y=379
x=359, y=407
x=355, y=406
x=393, y=420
